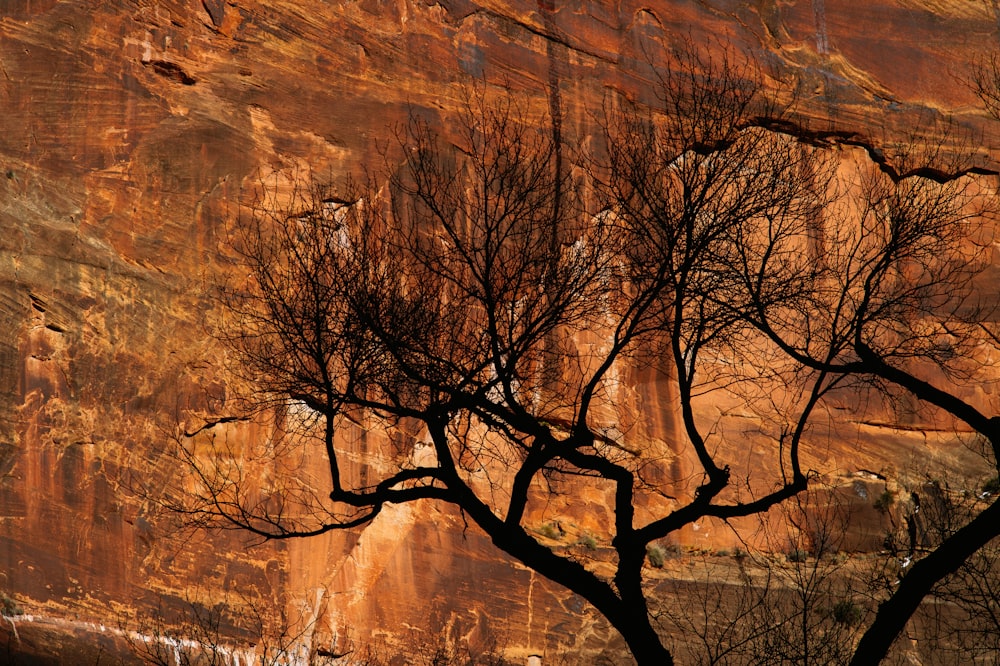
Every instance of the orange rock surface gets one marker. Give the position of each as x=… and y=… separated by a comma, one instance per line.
x=130, y=133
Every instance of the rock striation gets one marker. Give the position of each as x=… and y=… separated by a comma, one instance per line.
x=132, y=132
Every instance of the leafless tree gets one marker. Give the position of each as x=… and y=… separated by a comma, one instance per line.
x=448, y=300
x=814, y=609
x=959, y=621
x=239, y=628
x=717, y=613
x=985, y=82
x=891, y=303
x=793, y=599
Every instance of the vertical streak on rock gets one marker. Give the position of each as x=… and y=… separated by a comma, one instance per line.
x=363, y=445
x=531, y=587
x=815, y=224
x=551, y=366
x=822, y=38
x=546, y=7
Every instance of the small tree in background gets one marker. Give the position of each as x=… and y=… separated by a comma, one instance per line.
x=241, y=628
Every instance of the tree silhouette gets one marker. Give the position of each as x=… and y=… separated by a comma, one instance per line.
x=473, y=298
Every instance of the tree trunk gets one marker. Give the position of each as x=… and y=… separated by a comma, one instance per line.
x=895, y=612
x=645, y=643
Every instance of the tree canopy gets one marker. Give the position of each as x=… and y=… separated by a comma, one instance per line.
x=488, y=293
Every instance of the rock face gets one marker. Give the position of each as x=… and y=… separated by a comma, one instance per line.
x=131, y=133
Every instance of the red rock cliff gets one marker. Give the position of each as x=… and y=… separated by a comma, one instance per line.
x=131, y=130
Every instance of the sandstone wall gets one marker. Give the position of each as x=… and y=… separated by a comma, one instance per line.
x=131, y=130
